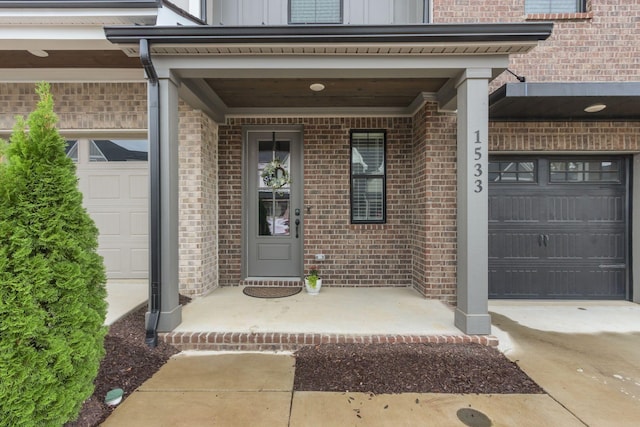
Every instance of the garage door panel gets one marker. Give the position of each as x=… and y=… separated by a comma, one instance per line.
x=513, y=282
x=606, y=209
x=104, y=187
x=108, y=223
x=513, y=245
x=139, y=260
x=139, y=224
x=139, y=187
x=564, y=209
x=514, y=209
x=112, y=260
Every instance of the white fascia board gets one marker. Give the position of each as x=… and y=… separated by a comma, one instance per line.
x=59, y=37
x=65, y=75
x=107, y=16
x=326, y=66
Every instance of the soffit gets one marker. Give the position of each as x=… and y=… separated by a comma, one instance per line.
x=565, y=101
x=295, y=93
x=62, y=16
x=68, y=59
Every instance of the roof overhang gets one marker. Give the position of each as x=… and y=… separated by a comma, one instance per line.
x=565, y=101
x=387, y=39
x=367, y=70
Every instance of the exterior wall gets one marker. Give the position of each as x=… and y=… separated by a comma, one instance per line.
x=434, y=176
x=564, y=136
x=96, y=106
x=362, y=255
x=434, y=215
x=198, y=165
x=600, y=45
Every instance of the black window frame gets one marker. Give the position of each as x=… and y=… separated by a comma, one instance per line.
x=618, y=171
x=353, y=176
x=291, y=22
x=497, y=177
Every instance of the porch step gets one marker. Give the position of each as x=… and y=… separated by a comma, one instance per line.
x=277, y=341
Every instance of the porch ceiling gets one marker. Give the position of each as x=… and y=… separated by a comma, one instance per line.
x=68, y=59
x=295, y=92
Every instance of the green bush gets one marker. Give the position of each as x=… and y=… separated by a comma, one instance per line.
x=52, y=281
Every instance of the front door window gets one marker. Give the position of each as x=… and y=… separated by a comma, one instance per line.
x=273, y=199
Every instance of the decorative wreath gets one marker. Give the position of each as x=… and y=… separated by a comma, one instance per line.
x=274, y=175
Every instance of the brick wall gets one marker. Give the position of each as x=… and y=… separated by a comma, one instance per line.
x=564, y=136
x=198, y=199
x=363, y=255
x=80, y=105
x=600, y=45
x=434, y=217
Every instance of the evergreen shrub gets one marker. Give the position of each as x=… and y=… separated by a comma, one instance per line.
x=52, y=280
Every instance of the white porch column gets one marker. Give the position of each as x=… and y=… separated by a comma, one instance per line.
x=170, y=309
x=471, y=314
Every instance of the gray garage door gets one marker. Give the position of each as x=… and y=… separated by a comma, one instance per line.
x=558, y=228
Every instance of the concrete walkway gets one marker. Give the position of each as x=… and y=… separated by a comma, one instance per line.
x=256, y=389
x=585, y=355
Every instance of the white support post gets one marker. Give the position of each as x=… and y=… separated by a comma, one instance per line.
x=471, y=314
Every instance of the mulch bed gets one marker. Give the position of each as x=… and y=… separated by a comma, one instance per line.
x=128, y=363
x=409, y=368
x=373, y=368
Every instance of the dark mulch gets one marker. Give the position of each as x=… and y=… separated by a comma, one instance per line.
x=409, y=368
x=372, y=368
x=128, y=363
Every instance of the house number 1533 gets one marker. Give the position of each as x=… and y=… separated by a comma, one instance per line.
x=477, y=165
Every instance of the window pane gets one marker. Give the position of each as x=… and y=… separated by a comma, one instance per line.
x=368, y=199
x=585, y=171
x=368, y=177
x=316, y=11
x=554, y=6
x=513, y=171
x=72, y=150
x=367, y=153
x=273, y=204
x=118, y=150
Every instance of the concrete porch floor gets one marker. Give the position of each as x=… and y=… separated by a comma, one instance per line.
x=227, y=319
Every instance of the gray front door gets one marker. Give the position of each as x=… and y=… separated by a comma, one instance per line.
x=273, y=223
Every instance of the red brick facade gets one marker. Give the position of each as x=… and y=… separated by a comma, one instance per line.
x=357, y=255
x=600, y=45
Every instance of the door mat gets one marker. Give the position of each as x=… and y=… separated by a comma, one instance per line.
x=271, y=291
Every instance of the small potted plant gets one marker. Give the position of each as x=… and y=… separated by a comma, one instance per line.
x=312, y=281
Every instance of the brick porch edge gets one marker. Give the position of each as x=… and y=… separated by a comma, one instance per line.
x=273, y=341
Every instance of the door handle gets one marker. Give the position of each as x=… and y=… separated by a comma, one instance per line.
x=545, y=240
x=540, y=239
x=297, y=228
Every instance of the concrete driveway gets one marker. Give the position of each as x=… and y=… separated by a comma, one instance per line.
x=585, y=355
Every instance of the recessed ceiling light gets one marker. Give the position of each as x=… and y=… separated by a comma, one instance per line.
x=317, y=87
x=39, y=53
x=594, y=108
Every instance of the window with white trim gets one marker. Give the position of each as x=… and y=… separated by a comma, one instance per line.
x=368, y=176
x=554, y=6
